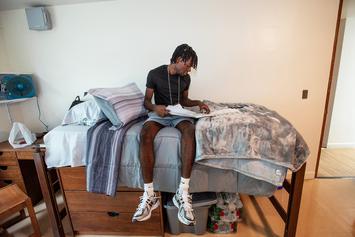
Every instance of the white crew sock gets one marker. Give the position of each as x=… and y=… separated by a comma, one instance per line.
x=184, y=185
x=149, y=189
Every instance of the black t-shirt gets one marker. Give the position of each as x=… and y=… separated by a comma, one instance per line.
x=158, y=81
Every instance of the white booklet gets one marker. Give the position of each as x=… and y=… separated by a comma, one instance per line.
x=180, y=111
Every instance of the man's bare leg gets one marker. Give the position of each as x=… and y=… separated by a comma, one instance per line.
x=149, y=201
x=182, y=199
x=188, y=147
x=147, y=159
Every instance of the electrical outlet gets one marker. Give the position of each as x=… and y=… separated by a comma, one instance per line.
x=304, y=94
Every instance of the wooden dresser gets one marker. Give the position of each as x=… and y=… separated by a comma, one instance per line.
x=17, y=167
x=100, y=214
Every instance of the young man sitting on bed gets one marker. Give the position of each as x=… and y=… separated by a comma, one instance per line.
x=170, y=85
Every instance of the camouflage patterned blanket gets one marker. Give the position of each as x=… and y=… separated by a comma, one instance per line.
x=248, y=132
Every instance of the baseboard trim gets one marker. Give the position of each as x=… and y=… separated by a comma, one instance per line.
x=341, y=145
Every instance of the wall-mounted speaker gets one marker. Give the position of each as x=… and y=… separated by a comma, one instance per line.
x=38, y=18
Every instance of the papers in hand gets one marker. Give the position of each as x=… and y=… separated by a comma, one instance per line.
x=180, y=111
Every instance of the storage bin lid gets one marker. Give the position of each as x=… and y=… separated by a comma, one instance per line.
x=198, y=200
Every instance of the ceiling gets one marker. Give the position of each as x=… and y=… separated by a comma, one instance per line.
x=20, y=4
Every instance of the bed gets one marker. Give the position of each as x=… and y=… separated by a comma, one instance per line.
x=206, y=176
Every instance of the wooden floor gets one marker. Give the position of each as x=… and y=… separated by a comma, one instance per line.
x=327, y=210
x=336, y=162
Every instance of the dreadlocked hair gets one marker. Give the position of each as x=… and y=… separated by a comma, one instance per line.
x=185, y=52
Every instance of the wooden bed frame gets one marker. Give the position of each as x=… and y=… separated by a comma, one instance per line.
x=289, y=216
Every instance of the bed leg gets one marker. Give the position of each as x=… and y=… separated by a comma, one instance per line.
x=294, y=202
x=48, y=195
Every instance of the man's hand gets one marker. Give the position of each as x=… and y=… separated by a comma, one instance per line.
x=161, y=110
x=204, y=108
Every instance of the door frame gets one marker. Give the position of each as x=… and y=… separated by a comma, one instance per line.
x=330, y=83
x=333, y=86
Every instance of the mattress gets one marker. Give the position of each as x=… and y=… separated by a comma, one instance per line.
x=167, y=168
x=66, y=146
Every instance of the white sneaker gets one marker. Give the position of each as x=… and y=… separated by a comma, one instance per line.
x=146, y=206
x=183, y=201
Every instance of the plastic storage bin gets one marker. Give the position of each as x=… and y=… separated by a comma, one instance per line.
x=201, y=202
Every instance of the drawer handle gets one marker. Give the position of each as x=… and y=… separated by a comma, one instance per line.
x=3, y=167
x=1, y=153
x=113, y=213
x=8, y=181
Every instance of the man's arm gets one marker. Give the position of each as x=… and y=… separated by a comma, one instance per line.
x=189, y=103
x=148, y=99
x=159, y=109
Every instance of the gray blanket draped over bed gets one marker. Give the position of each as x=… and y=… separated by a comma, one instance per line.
x=248, y=133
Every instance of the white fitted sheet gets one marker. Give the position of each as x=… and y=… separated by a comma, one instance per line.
x=73, y=139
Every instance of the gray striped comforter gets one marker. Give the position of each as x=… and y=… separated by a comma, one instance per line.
x=103, y=156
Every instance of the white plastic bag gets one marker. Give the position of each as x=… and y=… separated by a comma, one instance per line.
x=21, y=136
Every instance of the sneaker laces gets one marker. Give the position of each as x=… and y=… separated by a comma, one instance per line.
x=187, y=203
x=143, y=201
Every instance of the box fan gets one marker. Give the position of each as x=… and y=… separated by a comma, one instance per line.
x=16, y=86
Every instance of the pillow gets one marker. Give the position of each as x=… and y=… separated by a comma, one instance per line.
x=121, y=104
x=86, y=113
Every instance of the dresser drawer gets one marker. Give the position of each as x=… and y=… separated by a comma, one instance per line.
x=74, y=178
x=24, y=155
x=82, y=201
x=7, y=158
x=103, y=223
x=10, y=172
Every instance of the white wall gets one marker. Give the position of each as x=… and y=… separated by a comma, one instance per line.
x=348, y=9
x=342, y=126
x=4, y=66
x=257, y=51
